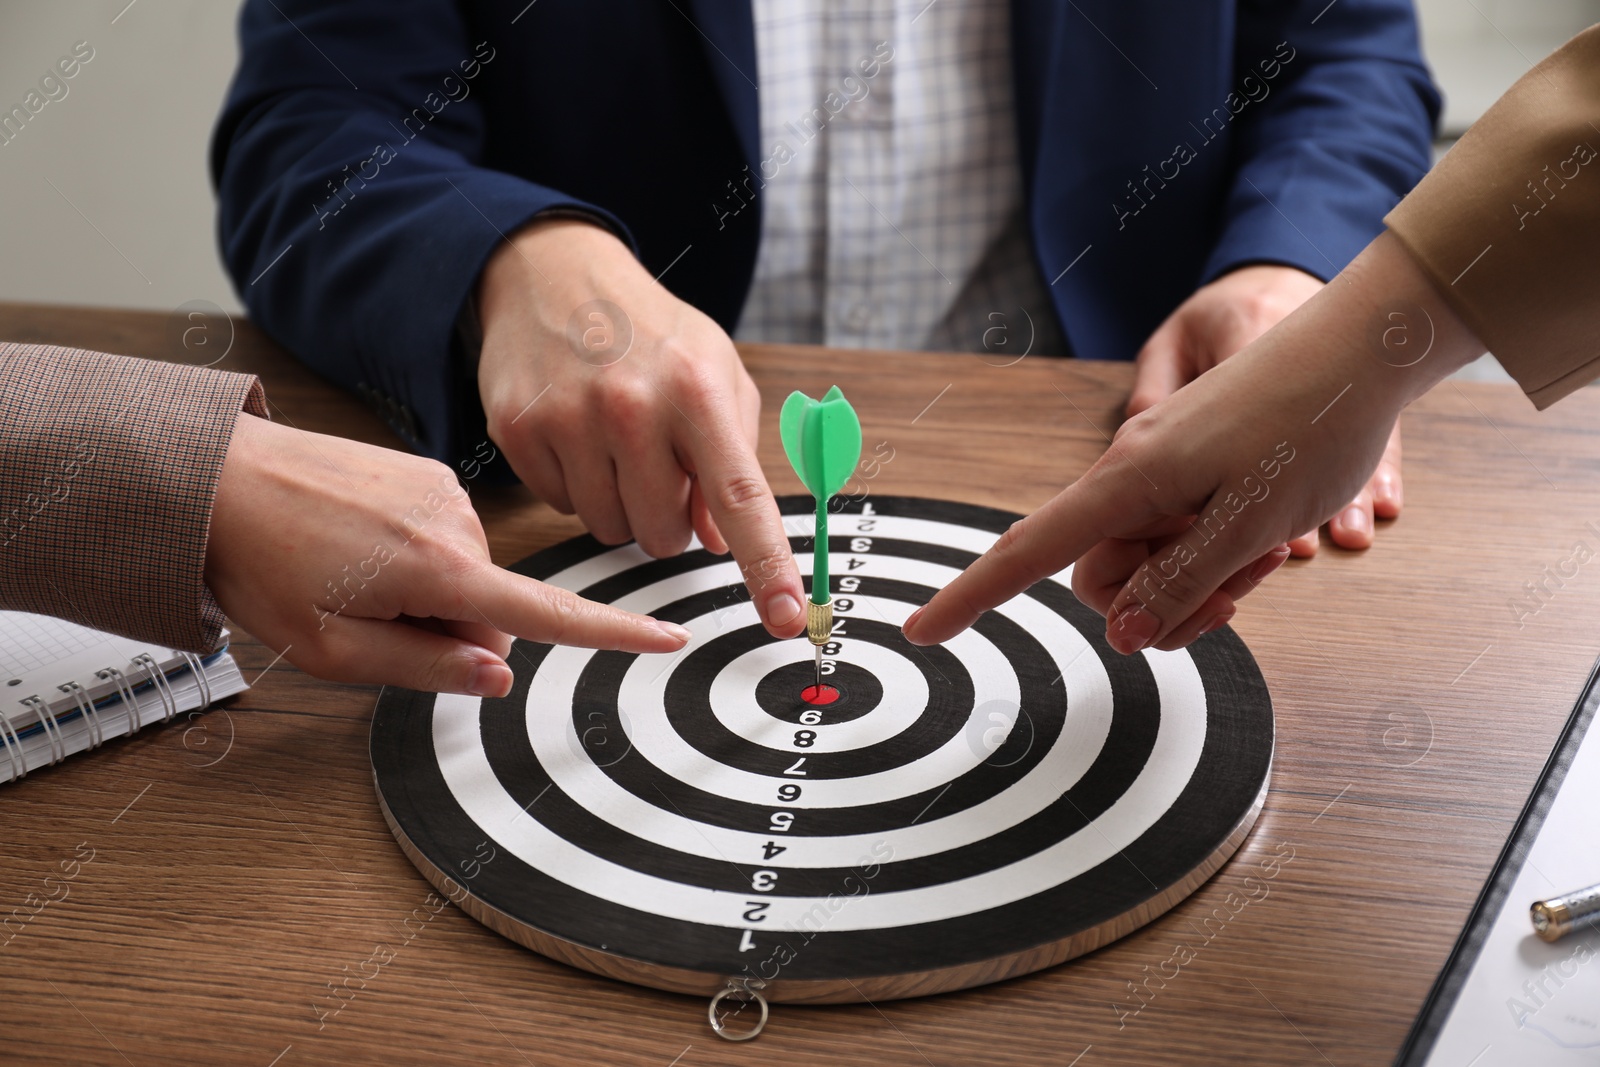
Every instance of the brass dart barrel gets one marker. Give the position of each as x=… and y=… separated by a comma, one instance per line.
x=819, y=621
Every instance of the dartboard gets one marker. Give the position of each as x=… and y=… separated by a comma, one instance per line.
x=928, y=819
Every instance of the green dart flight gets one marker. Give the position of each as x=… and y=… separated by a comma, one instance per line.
x=823, y=442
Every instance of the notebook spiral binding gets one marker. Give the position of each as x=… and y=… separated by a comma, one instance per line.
x=159, y=681
x=143, y=670
x=129, y=702
x=199, y=671
x=80, y=696
x=19, y=766
x=52, y=729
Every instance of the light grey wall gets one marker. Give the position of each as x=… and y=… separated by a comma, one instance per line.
x=104, y=197
x=1477, y=48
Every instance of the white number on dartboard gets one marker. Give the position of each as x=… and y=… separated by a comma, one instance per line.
x=827, y=666
x=849, y=585
x=764, y=881
x=747, y=942
x=866, y=509
x=795, y=767
x=805, y=738
x=810, y=718
x=781, y=821
x=771, y=849
x=861, y=544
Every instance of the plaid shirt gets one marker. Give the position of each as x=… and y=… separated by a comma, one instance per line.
x=108, y=468
x=892, y=212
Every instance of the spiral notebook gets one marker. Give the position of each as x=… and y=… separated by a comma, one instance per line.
x=65, y=688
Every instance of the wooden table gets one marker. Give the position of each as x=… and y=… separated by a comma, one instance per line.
x=241, y=867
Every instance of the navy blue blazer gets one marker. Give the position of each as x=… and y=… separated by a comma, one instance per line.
x=372, y=153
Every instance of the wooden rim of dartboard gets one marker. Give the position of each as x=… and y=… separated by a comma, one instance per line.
x=1185, y=737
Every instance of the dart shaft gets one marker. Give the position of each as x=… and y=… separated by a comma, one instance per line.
x=819, y=556
x=819, y=613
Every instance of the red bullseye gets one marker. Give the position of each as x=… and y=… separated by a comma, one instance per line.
x=819, y=694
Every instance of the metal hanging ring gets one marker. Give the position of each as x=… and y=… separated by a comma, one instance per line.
x=742, y=990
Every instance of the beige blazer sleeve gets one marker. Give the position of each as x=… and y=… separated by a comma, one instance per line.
x=108, y=468
x=1508, y=224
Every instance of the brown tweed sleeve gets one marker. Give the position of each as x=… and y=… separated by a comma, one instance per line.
x=108, y=469
x=1507, y=225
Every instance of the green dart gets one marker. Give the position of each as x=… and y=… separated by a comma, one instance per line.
x=823, y=441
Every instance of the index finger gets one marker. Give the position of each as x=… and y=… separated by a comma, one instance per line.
x=741, y=505
x=1032, y=549
x=534, y=611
